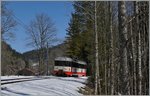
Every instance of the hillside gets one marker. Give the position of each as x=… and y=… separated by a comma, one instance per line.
x=55, y=51
x=11, y=60
x=58, y=50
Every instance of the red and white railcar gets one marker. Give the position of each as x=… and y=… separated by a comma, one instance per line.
x=65, y=66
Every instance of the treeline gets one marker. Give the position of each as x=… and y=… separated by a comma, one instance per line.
x=113, y=38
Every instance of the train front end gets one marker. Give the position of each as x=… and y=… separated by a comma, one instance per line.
x=65, y=66
x=62, y=66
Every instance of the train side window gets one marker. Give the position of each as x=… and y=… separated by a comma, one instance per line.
x=56, y=63
x=76, y=65
x=81, y=66
x=73, y=64
x=65, y=63
x=69, y=64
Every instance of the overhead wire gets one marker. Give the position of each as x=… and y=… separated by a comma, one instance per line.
x=20, y=22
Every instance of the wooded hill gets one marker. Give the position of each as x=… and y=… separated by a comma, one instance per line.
x=11, y=60
x=58, y=50
x=55, y=51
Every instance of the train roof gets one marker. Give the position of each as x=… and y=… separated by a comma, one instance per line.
x=63, y=59
x=69, y=59
x=81, y=62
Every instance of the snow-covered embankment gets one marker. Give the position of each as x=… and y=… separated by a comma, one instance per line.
x=54, y=86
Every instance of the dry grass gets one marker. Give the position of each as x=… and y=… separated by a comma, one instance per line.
x=86, y=90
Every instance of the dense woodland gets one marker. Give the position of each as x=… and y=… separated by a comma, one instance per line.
x=113, y=38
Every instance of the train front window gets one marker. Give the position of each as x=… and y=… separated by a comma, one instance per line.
x=74, y=64
x=63, y=63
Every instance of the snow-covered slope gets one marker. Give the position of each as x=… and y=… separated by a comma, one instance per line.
x=54, y=86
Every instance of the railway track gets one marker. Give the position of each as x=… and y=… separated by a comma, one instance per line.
x=14, y=79
x=17, y=80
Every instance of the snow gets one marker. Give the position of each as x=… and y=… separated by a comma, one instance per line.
x=13, y=77
x=54, y=86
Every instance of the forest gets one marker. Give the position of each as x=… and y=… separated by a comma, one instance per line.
x=113, y=38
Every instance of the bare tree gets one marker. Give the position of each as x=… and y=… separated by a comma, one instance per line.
x=112, y=48
x=96, y=54
x=139, y=53
x=42, y=33
x=123, y=49
x=7, y=22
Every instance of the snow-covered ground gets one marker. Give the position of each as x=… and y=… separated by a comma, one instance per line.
x=13, y=77
x=54, y=86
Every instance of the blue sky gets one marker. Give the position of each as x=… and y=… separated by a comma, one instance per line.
x=25, y=11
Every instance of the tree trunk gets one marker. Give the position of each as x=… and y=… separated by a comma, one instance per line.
x=124, y=86
x=139, y=51
x=96, y=54
x=112, y=50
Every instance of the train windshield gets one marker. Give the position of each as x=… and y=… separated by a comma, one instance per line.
x=63, y=63
x=71, y=64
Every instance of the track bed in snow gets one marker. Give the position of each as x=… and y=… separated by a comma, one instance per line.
x=52, y=86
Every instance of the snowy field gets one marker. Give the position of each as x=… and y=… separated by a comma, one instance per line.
x=53, y=86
